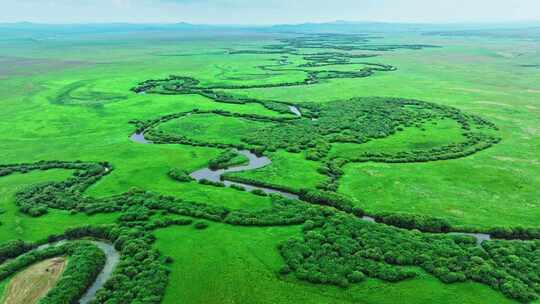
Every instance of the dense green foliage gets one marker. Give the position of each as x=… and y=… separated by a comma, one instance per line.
x=201, y=225
x=227, y=159
x=338, y=247
x=180, y=175
x=411, y=221
x=342, y=250
x=357, y=121
x=65, y=195
x=330, y=239
x=83, y=267
x=140, y=276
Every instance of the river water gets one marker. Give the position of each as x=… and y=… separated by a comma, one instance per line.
x=295, y=111
x=112, y=258
x=256, y=162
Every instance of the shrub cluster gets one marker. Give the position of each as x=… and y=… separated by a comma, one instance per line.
x=180, y=175
x=85, y=263
x=355, y=249
x=226, y=159
x=341, y=250
x=515, y=233
x=327, y=198
x=412, y=221
x=61, y=195
x=259, y=183
x=201, y=225
x=140, y=277
x=12, y=249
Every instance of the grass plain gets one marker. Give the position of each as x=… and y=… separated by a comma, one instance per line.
x=69, y=98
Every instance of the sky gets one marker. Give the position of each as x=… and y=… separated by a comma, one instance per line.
x=268, y=11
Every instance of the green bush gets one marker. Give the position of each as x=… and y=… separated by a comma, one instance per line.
x=201, y=225
x=180, y=175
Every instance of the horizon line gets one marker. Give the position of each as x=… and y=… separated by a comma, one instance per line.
x=344, y=22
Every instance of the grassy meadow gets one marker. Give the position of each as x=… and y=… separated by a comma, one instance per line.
x=69, y=99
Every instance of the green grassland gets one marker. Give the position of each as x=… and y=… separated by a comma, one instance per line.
x=302, y=173
x=210, y=128
x=244, y=270
x=477, y=76
x=70, y=99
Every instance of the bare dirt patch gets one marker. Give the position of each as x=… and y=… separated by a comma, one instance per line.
x=33, y=283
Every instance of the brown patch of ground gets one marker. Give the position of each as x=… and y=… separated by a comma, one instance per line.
x=33, y=283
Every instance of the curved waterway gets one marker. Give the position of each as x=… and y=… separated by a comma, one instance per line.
x=256, y=162
x=112, y=258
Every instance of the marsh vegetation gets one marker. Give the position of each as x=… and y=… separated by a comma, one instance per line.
x=242, y=149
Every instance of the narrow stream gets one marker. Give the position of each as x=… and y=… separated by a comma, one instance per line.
x=112, y=258
x=256, y=162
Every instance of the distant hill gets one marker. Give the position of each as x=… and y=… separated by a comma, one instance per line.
x=347, y=26
x=532, y=33
x=37, y=30
x=351, y=27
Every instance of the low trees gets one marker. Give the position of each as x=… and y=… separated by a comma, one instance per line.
x=341, y=250
x=227, y=158
x=180, y=175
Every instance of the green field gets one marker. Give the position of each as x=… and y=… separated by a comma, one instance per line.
x=443, y=128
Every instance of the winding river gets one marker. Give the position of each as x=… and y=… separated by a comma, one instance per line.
x=112, y=258
x=256, y=162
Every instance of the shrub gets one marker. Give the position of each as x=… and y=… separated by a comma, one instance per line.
x=180, y=175
x=201, y=225
x=259, y=192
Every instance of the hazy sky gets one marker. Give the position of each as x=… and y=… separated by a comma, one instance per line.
x=267, y=11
